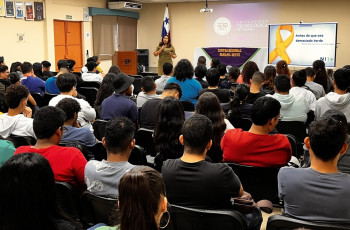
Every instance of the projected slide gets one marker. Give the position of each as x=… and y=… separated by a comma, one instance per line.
x=302, y=44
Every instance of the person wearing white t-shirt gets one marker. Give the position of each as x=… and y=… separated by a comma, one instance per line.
x=17, y=121
x=91, y=75
x=66, y=84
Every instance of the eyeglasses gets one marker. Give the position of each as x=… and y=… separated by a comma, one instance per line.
x=280, y=118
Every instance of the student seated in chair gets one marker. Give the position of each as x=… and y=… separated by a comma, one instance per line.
x=67, y=163
x=72, y=129
x=148, y=92
x=102, y=177
x=257, y=147
x=319, y=193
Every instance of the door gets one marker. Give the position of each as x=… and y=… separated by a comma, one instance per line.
x=68, y=42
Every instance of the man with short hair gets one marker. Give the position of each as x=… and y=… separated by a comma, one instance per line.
x=72, y=129
x=67, y=163
x=222, y=70
x=231, y=82
x=34, y=84
x=255, y=91
x=293, y=107
x=50, y=85
x=257, y=147
x=339, y=99
x=316, y=88
x=298, y=83
x=161, y=82
x=4, y=82
x=2, y=60
x=149, y=110
x=102, y=177
x=17, y=121
x=148, y=92
x=201, y=61
x=91, y=74
x=209, y=186
x=46, y=69
x=66, y=84
x=213, y=78
x=200, y=72
x=319, y=193
x=118, y=104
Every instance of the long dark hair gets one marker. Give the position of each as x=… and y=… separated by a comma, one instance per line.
x=170, y=119
x=140, y=193
x=209, y=105
x=183, y=70
x=241, y=93
x=106, y=89
x=248, y=70
x=161, y=43
x=321, y=74
x=269, y=74
x=27, y=194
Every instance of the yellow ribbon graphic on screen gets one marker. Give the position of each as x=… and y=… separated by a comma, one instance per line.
x=281, y=46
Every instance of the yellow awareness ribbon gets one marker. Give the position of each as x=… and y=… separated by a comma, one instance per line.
x=281, y=46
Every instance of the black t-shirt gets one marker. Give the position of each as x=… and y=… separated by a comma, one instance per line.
x=201, y=185
x=253, y=96
x=149, y=112
x=222, y=94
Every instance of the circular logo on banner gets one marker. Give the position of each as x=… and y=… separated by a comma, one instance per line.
x=222, y=26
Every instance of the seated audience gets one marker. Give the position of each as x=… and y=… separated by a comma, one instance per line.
x=269, y=74
x=255, y=90
x=6, y=150
x=324, y=189
x=91, y=74
x=71, y=64
x=17, y=121
x=166, y=134
x=247, y=72
x=183, y=75
x=2, y=60
x=66, y=84
x=322, y=77
x=201, y=61
x=46, y=69
x=339, y=99
x=167, y=71
x=239, y=107
x=106, y=89
x=71, y=129
x=282, y=68
x=38, y=71
x=222, y=71
x=214, y=63
x=231, y=82
x=118, y=104
x=298, y=82
x=67, y=163
x=149, y=110
x=114, y=69
x=28, y=195
x=102, y=177
x=213, y=78
x=200, y=72
x=293, y=107
x=314, y=87
x=142, y=197
x=257, y=147
x=50, y=85
x=209, y=105
x=148, y=92
x=29, y=80
x=4, y=83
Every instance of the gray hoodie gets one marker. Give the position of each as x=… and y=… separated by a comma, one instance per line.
x=340, y=102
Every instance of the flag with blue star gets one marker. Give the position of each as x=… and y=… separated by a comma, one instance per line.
x=166, y=23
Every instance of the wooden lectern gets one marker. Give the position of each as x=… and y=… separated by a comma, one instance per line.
x=126, y=61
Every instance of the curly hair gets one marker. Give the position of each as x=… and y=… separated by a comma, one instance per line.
x=183, y=70
x=15, y=94
x=248, y=70
x=69, y=106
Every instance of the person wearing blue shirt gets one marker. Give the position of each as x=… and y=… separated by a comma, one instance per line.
x=183, y=75
x=33, y=83
x=50, y=86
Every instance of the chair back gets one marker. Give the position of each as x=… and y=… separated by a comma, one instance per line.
x=39, y=99
x=188, y=106
x=68, y=199
x=93, y=84
x=293, y=143
x=183, y=218
x=297, y=129
x=99, y=127
x=47, y=97
x=97, y=209
x=243, y=123
x=89, y=93
x=137, y=85
x=260, y=182
x=279, y=222
x=138, y=156
x=18, y=141
x=88, y=154
x=144, y=138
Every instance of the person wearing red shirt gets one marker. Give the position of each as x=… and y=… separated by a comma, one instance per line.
x=67, y=163
x=257, y=147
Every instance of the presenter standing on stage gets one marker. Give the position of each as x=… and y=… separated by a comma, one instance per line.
x=166, y=52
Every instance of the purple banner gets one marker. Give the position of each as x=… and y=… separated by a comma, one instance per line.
x=231, y=56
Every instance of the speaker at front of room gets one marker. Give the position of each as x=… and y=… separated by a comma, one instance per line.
x=142, y=60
